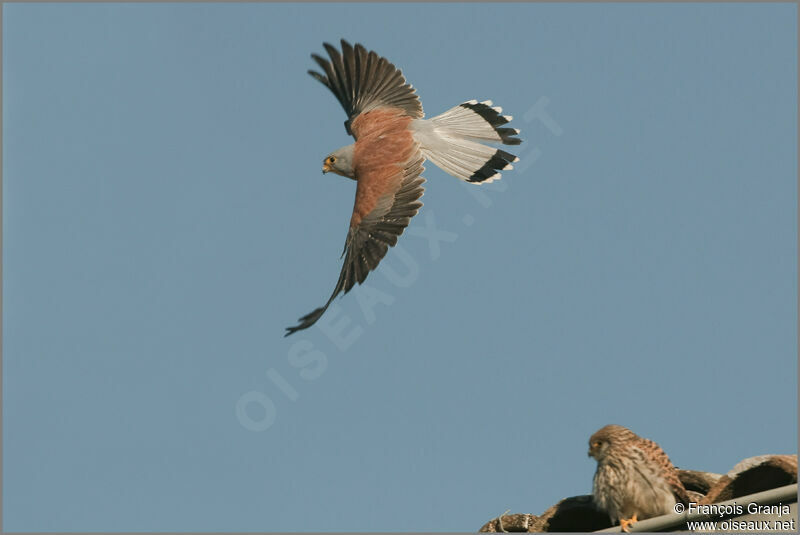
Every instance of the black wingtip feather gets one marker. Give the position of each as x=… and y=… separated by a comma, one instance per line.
x=493, y=117
x=499, y=160
x=362, y=80
x=367, y=244
x=506, y=136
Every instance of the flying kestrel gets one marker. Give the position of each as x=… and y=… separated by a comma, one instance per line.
x=384, y=115
x=634, y=479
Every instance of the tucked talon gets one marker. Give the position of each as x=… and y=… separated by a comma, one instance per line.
x=625, y=523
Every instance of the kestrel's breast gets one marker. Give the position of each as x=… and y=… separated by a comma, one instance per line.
x=384, y=145
x=632, y=485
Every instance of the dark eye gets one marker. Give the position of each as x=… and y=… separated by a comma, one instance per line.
x=596, y=444
x=332, y=159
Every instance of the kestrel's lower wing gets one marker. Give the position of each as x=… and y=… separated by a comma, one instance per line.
x=667, y=469
x=370, y=237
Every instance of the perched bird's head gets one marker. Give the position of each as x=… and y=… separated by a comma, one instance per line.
x=340, y=162
x=604, y=438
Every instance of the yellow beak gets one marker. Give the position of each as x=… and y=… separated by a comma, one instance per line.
x=326, y=168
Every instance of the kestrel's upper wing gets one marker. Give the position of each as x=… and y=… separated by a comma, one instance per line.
x=667, y=469
x=363, y=81
x=371, y=235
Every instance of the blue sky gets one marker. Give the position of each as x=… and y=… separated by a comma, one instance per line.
x=164, y=219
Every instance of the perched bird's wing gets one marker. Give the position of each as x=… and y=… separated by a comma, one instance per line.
x=388, y=195
x=363, y=81
x=668, y=470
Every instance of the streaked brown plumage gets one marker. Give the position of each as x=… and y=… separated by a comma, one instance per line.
x=634, y=479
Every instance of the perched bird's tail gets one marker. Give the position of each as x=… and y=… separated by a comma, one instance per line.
x=448, y=140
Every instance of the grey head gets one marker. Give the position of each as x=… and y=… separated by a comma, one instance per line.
x=340, y=162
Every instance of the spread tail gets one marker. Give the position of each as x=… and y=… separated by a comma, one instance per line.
x=450, y=140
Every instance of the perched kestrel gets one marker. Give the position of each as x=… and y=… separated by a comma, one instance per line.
x=634, y=479
x=384, y=115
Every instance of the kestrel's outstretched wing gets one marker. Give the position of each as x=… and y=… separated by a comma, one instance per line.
x=370, y=236
x=363, y=81
x=386, y=159
x=384, y=116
